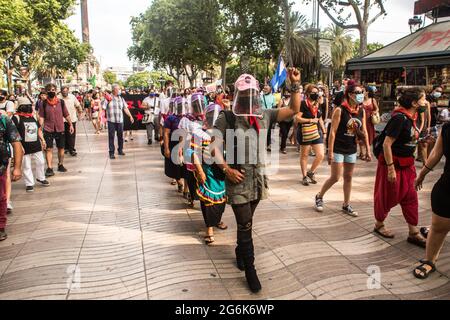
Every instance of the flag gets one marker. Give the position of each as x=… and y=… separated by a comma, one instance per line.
x=280, y=75
x=93, y=81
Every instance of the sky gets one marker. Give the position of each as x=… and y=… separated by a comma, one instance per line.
x=109, y=22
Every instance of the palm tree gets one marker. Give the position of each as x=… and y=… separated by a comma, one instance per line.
x=299, y=45
x=341, y=46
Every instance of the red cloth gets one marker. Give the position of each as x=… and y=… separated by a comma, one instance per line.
x=254, y=122
x=3, y=201
x=54, y=122
x=387, y=195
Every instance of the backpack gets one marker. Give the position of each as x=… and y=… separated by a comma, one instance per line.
x=379, y=140
x=44, y=105
x=5, y=157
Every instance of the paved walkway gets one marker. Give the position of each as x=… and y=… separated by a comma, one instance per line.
x=118, y=230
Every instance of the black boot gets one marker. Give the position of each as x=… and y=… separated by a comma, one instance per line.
x=239, y=259
x=250, y=274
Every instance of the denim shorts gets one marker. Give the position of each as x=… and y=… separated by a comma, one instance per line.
x=345, y=158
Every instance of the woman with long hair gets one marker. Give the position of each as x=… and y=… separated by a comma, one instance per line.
x=347, y=127
x=310, y=135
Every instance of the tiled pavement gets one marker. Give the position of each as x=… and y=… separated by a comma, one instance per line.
x=118, y=230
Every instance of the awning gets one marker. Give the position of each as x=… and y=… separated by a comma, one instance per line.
x=426, y=47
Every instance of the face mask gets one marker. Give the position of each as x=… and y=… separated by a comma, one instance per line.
x=437, y=95
x=314, y=96
x=51, y=95
x=359, y=98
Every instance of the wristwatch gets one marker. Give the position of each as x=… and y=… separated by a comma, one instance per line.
x=295, y=87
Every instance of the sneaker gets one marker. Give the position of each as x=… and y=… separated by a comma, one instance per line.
x=126, y=140
x=61, y=168
x=319, y=204
x=30, y=189
x=49, y=173
x=284, y=151
x=349, y=210
x=312, y=176
x=44, y=183
x=305, y=181
x=150, y=142
x=112, y=157
x=269, y=149
x=3, y=235
x=73, y=153
x=121, y=154
x=9, y=208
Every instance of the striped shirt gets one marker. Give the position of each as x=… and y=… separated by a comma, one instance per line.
x=115, y=108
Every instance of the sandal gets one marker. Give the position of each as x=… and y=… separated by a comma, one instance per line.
x=420, y=242
x=174, y=183
x=209, y=240
x=386, y=234
x=424, y=232
x=424, y=272
x=222, y=226
x=180, y=188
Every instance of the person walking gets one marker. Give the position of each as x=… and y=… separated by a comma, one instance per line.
x=33, y=143
x=371, y=109
x=268, y=102
x=51, y=118
x=347, y=127
x=247, y=183
x=311, y=133
x=440, y=204
x=75, y=111
x=396, y=169
x=8, y=135
x=285, y=126
x=115, y=109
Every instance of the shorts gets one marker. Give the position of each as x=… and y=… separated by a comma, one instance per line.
x=345, y=158
x=57, y=136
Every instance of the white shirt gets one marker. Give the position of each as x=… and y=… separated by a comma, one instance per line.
x=445, y=115
x=72, y=106
x=8, y=106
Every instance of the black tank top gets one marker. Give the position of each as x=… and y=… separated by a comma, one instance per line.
x=345, y=142
x=446, y=144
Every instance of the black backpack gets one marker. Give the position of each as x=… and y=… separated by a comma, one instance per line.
x=379, y=140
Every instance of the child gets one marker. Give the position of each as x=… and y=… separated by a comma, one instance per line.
x=33, y=143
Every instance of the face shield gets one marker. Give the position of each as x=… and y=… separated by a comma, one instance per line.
x=212, y=113
x=179, y=105
x=247, y=100
x=197, y=106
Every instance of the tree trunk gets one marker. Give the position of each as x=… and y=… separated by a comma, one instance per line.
x=287, y=27
x=223, y=68
x=363, y=40
x=9, y=80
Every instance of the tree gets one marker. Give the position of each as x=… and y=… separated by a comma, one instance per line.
x=146, y=79
x=110, y=77
x=360, y=10
x=371, y=48
x=342, y=47
x=34, y=38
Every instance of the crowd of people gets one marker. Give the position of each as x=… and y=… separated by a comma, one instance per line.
x=209, y=165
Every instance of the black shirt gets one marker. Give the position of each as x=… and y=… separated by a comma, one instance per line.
x=345, y=142
x=28, y=129
x=306, y=112
x=401, y=128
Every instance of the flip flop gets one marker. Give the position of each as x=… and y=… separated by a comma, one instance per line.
x=222, y=226
x=209, y=240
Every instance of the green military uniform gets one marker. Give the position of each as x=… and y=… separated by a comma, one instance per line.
x=255, y=185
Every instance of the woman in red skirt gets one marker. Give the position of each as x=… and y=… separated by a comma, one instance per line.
x=396, y=172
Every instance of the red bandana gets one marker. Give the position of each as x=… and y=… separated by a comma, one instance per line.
x=349, y=109
x=253, y=122
x=53, y=102
x=312, y=109
x=26, y=115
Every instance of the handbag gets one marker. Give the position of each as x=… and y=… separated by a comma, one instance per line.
x=376, y=119
x=310, y=132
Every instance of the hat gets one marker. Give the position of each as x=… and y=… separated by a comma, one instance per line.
x=246, y=82
x=23, y=101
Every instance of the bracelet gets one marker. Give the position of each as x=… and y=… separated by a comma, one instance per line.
x=390, y=165
x=295, y=87
x=428, y=167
